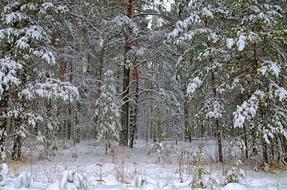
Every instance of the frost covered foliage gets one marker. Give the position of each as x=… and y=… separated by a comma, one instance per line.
x=237, y=50
x=262, y=48
x=8, y=74
x=204, y=49
x=193, y=85
x=107, y=116
x=26, y=60
x=123, y=22
x=248, y=109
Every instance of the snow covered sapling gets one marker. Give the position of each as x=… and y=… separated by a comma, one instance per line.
x=156, y=148
x=235, y=174
x=200, y=171
x=107, y=116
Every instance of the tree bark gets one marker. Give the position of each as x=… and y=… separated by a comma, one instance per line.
x=135, y=109
x=187, y=132
x=218, y=130
x=16, y=150
x=265, y=151
x=62, y=66
x=126, y=81
x=246, y=141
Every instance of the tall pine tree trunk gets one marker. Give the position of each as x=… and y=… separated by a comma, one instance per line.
x=17, y=145
x=265, y=151
x=187, y=132
x=135, y=109
x=217, y=126
x=126, y=81
x=245, y=141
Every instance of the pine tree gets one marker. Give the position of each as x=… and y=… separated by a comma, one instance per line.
x=26, y=66
x=202, y=33
x=260, y=48
x=107, y=116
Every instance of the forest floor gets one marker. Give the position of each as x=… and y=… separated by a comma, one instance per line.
x=171, y=168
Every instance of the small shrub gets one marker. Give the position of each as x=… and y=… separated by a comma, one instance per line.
x=235, y=174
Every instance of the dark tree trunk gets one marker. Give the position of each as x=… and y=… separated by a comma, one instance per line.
x=246, y=142
x=106, y=143
x=217, y=126
x=219, y=141
x=125, y=109
x=126, y=81
x=16, y=152
x=187, y=132
x=134, y=115
x=265, y=151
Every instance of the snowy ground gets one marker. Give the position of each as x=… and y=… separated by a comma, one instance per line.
x=126, y=169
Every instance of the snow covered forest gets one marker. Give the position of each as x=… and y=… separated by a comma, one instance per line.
x=143, y=94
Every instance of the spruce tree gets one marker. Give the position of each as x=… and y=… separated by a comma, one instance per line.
x=107, y=116
x=27, y=69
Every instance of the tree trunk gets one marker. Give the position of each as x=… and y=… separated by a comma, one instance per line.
x=106, y=143
x=16, y=154
x=187, y=132
x=62, y=66
x=219, y=141
x=134, y=115
x=126, y=81
x=3, y=121
x=16, y=150
x=265, y=151
x=245, y=141
x=70, y=113
x=217, y=127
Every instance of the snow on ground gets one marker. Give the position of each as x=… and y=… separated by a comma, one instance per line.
x=139, y=168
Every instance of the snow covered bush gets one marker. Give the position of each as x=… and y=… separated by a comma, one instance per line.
x=23, y=180
x=70, y=181
x=140, y=181
x=4, y=171
x=156, y=148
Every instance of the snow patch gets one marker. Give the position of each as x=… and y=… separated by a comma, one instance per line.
x=193, y=85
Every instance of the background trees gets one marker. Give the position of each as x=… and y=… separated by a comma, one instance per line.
x=183, y=70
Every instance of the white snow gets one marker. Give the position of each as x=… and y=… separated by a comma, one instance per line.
x=247, y=109
x=207, y=13
x=234, y=186
x=241, y=42
x=139, y=169
x=281, y=93
x=229, y=43
x=193, y=85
